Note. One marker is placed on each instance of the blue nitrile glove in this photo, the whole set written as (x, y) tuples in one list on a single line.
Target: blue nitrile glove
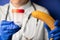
[(55, 34), (7, 29)]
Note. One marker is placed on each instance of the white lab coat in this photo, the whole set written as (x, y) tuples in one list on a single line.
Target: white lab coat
[(31, 30)]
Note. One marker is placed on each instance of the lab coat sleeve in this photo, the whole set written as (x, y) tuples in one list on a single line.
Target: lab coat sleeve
[(0, 12)]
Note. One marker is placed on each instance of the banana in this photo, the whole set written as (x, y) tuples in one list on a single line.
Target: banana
[(44, 17)]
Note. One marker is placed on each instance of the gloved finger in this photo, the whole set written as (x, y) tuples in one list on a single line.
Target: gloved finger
[(9, 31), (57, 23), (4, 27), (12, 25), (6, 36), (12, 28), (56, 35), (56, 30), (4, 22), (6, 33), (46, 26), (7, 27), (57, 38)]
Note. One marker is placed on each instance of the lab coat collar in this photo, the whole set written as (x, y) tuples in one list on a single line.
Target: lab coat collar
[(22, 7)]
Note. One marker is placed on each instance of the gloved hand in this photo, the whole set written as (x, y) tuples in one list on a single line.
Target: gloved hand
[(55, 34), (7, 29)]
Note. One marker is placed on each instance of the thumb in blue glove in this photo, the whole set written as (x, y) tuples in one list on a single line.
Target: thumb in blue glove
[(56, 31), (55, 34), (7, 29)]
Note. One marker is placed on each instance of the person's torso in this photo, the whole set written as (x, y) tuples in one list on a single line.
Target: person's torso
[(31, 29)]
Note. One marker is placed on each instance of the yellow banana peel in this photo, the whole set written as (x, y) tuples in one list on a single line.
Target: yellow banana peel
[(44, 17)]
